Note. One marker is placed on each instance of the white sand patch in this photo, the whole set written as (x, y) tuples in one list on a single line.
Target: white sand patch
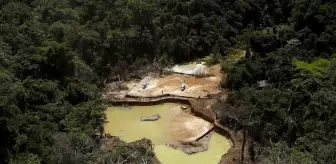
[(191, 69)]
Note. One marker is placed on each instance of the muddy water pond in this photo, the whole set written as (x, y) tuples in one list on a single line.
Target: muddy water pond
[(125, 123)]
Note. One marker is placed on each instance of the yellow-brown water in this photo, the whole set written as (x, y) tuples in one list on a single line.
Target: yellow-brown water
[(125, 123)]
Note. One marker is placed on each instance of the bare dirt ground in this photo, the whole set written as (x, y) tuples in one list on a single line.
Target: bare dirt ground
[(195, 86), (188, 128), (117, 90)]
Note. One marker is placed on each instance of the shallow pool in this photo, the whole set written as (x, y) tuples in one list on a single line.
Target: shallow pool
[(124, 122)]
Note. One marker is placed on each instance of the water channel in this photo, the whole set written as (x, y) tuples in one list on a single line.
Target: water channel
[(124, 122)]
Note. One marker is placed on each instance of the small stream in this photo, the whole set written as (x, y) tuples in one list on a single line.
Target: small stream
[(124, 122)]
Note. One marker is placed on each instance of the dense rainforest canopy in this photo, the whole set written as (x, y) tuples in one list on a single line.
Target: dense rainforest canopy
[(55, 56)]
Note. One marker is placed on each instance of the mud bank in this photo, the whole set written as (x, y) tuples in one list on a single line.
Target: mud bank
[(148, 101)]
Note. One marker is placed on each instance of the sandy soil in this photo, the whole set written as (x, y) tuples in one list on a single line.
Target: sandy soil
[(115, 90), (195, 86), (191, 69), (188, 128)]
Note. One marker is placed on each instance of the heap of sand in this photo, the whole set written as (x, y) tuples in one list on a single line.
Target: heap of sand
[(191, 133), (187, 128), (191, 69)]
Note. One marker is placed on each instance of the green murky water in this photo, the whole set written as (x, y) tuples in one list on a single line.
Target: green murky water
[(125, 123)]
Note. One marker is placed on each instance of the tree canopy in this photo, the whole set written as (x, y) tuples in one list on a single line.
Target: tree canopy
[(56, 54)]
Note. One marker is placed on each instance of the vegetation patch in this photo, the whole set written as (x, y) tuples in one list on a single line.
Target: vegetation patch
[(316, 67), (233, 56), (206, 59)]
